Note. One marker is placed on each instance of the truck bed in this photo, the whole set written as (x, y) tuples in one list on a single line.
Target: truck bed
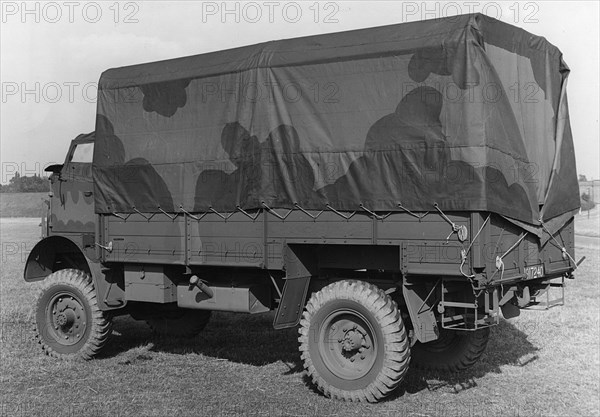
[(414, 244)]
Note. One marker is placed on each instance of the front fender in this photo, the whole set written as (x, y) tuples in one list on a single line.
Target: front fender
[(58, 252), (51, 254)]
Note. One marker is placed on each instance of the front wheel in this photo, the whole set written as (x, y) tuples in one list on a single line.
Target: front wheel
[(69, 323), (353, 342)]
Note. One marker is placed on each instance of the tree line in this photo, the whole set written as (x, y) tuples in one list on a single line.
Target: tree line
[(24, 184)]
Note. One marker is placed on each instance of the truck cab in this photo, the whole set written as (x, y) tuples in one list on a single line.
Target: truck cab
[(69, 226), (71, 207)]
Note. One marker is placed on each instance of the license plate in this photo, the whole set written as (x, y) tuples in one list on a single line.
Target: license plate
[(536, 271)]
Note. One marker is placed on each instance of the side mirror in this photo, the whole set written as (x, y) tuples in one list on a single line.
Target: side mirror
[(55, 169)]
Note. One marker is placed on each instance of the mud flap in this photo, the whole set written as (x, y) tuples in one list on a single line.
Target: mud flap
[(291, 306), (421, 313), (300, 265)]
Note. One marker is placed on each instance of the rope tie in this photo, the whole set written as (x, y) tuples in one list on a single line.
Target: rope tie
[(461, 230), (561, 246), (500, 262), (464, 253)]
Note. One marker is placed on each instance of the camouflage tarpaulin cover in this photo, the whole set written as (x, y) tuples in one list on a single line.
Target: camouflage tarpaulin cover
[(466, 112)]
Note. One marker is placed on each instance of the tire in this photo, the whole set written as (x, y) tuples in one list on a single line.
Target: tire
[(454, 351), (353, 342), (68, 322), (180, 323)]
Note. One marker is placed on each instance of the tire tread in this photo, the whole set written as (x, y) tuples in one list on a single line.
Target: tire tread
[(396, 347), (465, 355), (101, 324)]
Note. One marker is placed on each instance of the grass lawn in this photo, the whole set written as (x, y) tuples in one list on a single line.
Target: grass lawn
[(543, 363), (22, 204), (588, 223)]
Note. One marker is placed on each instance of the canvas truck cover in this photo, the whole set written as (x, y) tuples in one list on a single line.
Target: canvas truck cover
[(465, 112)]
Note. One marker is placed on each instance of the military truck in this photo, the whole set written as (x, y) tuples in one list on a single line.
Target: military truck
[(392, 191)]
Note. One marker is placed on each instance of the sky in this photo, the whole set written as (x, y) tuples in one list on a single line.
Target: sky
[(52, 55)]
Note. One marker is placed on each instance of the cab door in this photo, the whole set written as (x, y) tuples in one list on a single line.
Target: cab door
[(72, 202)]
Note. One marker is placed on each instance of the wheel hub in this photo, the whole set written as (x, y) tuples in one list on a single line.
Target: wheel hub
[(347, 345), (353, 341), (67, 319), (64, 319)]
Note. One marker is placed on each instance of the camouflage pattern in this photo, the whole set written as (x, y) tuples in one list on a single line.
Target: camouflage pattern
[(466, 113), (72, 202)]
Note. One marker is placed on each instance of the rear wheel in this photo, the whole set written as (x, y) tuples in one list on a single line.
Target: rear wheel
[(454, 350), (353, 342), (180, 323), (69, 323)]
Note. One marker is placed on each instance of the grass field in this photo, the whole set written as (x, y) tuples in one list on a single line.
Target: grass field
[(588, 223), (543, 363), (22, 204)]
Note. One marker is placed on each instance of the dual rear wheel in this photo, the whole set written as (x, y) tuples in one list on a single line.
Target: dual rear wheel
[(453, 351)]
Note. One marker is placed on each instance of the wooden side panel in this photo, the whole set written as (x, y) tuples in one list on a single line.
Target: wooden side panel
[(258, 239), (422, 257), (237, 241), (329, 227), (136, 239), (433, 227)]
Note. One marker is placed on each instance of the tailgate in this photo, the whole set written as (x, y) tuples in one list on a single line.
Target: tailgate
[(508, 253)]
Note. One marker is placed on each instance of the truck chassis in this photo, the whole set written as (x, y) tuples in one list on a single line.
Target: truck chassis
[(367, 290)]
